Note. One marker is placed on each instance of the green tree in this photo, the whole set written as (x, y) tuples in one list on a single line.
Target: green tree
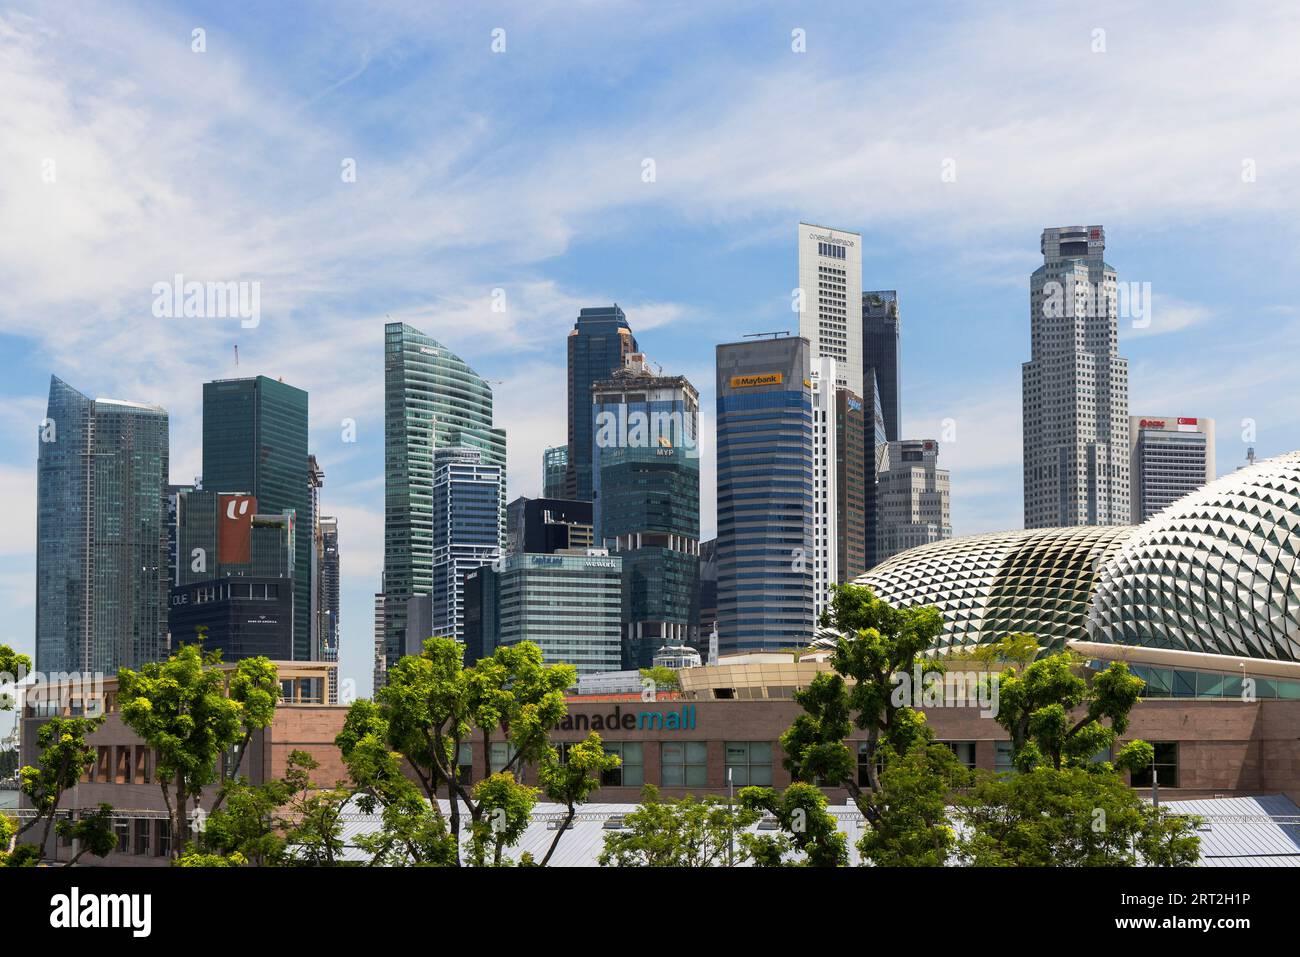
[(13, 666), (432, 704), (93, 832), (505, 809), (912, 826), (313, 828), (247, 823), (1019, 649), (571, 781), (665, 679), (1037, 706), (413, 831), (1070, 818), (877, 641), (191, 711), (64, 758), (684, 833), (808, 828)]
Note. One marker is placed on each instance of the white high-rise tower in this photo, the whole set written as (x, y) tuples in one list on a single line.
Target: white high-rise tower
[(830, 282), (1075, 387)]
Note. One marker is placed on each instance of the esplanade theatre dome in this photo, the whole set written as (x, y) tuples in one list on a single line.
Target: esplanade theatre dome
[(986, 586), (1214, 573)]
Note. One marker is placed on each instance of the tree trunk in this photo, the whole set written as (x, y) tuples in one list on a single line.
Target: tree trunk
[(559, 834)]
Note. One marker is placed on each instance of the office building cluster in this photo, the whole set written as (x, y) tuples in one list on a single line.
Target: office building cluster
[(816, 486), (131, 567), (606, 570)]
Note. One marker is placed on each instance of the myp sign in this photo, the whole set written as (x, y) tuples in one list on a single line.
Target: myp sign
[(680, 719)]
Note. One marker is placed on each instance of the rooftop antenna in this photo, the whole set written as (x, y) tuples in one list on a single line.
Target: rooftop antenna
[(236, 353), (760, 335)]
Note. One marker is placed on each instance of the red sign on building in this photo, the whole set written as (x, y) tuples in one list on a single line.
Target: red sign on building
[(235, 529)]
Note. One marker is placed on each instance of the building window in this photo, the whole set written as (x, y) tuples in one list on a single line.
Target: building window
[(684, 764), (964, 750), (162, 845), (1165, 764), (465, 762), (864, 779), (629, 774), (749, 763), (1002, 757), (501, 755), (142, 837), (122, 827)]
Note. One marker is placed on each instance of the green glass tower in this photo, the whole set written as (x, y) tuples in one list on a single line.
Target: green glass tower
[(432, 400), (646, 478), (255, 442)]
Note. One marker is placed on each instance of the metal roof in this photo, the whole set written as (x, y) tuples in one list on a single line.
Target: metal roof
[(1242, 831)]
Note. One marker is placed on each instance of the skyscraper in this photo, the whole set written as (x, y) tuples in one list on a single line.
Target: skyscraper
[(236, 584), (646, 473), (330, 606), (255, 442), (568, 605), (875, 453), (830, 281), (466, 532), (598, 344), (101, 535), (1075, 387), (880, 352), (765, 494), (913, 498), (1169, 457), (851, 482), (432, 400), (555, 465), (837, 498)]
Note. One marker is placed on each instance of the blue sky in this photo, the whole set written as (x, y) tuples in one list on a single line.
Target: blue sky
[(522, 171)]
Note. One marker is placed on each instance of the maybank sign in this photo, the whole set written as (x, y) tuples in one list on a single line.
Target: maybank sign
[(762, 378), (682, 719)]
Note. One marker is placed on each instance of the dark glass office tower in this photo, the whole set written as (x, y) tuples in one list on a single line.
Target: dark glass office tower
[(765, 495), (255, 442), (101, 533), (432, 400), (598, 343), (880, 352), (646, 474), (876, 457), (851, 485)]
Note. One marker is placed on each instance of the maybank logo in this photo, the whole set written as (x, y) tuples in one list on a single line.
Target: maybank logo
[(750, 381)]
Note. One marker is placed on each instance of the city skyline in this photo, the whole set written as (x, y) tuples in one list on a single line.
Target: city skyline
[(1179, 215)]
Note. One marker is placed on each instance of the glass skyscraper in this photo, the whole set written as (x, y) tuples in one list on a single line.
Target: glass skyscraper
[(646, 472), (101, 534), (432, 400), (880, 353), (466, 531), (568, 605), (765, 495), (555, 465), (255, 442), (598, 344)]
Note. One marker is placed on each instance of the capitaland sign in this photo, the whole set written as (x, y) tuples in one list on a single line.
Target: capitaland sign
[(752, 381), (828, 238), (683, 719)]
